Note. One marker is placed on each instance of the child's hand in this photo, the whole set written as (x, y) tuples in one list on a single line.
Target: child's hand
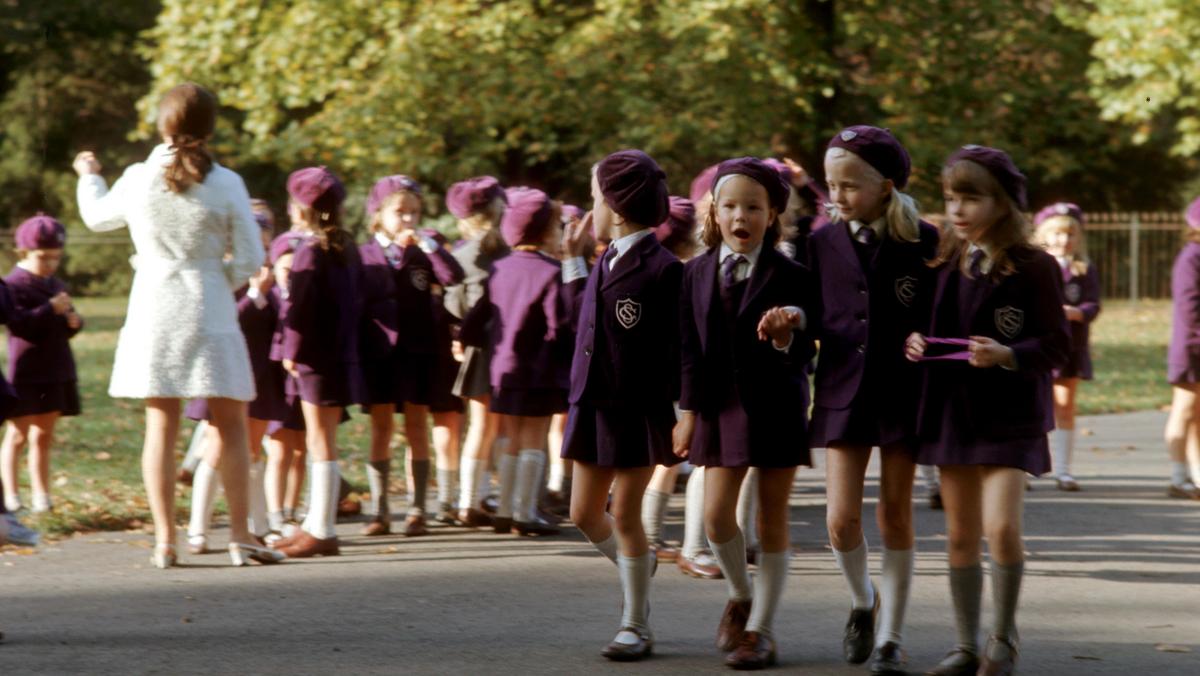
[(799, 176), (407, 237), (681, 436), (290, 367), (914, 347), (986, 353), (74, 321), (60, 303), (86, 163), (263, 280), (778, 324), (456, 349), (1074, 314), (577, 237)]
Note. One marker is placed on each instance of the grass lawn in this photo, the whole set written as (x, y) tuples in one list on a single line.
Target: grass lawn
[(95, 464)]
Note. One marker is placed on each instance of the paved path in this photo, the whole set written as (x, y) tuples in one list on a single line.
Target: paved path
[(1113, 577)]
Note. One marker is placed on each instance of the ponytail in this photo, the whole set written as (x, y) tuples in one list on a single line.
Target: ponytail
[(190, 165), (903, 217)]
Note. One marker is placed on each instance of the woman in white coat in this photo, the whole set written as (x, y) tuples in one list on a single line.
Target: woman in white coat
[(196, 241)]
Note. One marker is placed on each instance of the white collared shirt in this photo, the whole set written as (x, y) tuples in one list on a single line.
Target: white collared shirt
[(622, 245), (876, 225), (985, 265), (424, 243)]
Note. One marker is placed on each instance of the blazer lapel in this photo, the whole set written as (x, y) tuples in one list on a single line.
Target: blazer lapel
[(843, 245), (759, 277), (630, 262)]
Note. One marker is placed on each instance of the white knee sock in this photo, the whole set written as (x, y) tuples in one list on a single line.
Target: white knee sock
[(445, 486), (854, 568), (469, 470), (693, 515), (768, 589), (323, 482), (731, 556), (747, 508), (195, 451), (654, 512), (557, 472), (635, 584), (607, 546), (530, 464), (257, 517), (205, 482), (506, 467), (897, 579), (1062, 443)]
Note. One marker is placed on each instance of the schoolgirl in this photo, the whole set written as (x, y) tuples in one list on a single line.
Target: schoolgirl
[(41, 367), (744, 392), (11, 529), (1060, 233), (984, 422), (874, 288), (624, 381), (320, 345), (1183, 364), (526, 323)]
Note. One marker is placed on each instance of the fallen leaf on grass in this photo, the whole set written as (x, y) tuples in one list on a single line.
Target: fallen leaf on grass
[(1171, 648), (61, 481), (103, 455)]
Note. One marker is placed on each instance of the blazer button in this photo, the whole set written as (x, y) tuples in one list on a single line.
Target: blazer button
[(862, 290), (862, 349), (862, 318), (587, 352)]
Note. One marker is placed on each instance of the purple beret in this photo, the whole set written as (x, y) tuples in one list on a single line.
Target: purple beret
[(285, 244), (527, 216), (999, 165), (316, 188), (570, 212), (878, 148), (1192, 215), (634, 186), (681, 221), (467, 197), (785, 172), (753, 168), (702, 184), (1069, 209), (386, 187), (41, 232)]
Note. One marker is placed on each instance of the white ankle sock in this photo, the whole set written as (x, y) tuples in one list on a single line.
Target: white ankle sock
[(468, 483), (257, 520), (693, 515), (768, 589), (275, 520), (607, 546), (205, 482), (530, 464), (12, 501), (896, 582), (654, 512), (635, 585), (323, 482), (1062, 442), (731, 556), (1179, 474), (41, 502), (854, 568), (506, 467), (747, 508)]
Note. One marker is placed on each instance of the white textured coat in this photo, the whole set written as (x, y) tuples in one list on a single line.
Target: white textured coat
[(181, 336)]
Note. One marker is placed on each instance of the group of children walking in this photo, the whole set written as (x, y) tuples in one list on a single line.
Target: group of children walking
[(689, 335)]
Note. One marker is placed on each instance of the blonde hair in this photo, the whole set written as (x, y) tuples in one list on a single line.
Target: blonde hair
[(377, 218), (1011, 230), (1079, 260), (484, 226), (902, 217)]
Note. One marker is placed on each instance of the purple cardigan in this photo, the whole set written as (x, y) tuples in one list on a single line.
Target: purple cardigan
[(39, 350)]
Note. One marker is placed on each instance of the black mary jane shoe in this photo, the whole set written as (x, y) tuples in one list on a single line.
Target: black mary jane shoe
[(957, 662), (859, 638), (887, 660)]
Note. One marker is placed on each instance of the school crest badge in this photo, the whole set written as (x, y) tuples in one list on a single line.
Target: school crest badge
[(849, 135), (1009, 320), (419, 278), (906, 290), (1072, 292), (629, 312)]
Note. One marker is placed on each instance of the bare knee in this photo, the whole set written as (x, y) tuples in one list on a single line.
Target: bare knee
[(845, 530), (895, 519), (962, 545)]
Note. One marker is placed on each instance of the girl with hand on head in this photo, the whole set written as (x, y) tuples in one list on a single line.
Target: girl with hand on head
[(874, 288), (984, 422), (744, 393), (624, 380)]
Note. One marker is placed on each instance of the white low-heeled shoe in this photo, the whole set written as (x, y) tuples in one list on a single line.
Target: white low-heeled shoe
[(164, 557), (241, 554)]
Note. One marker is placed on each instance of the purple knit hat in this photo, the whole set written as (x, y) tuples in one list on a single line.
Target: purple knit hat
[(41, 232), (878, 148), (634, 186), (285, 244), (1068, 209), (999, 165), (386, 187), (467, 197), (570, 212), (680, 223), (527, 216), (316, 188), (702, 184)]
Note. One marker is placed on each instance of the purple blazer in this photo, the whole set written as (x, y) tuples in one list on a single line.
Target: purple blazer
[(380, 316), (862, 317), (39, 351), (323, 311), (1083, 292), (1023, 311), (1183, 353), (636, 360), (525, 318), (768, 382)]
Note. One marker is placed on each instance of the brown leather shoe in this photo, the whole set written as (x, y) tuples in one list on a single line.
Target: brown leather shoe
[(755, 651), (502, 525), (349, 507), (664, 552), (702, 565), (1067, 483), (1186, 491), (378, 526), (474, 518), (630, 652), (733, 625), (1000, 657), (304, 545), (184, 477), (414, 526), (538, 526), (957, 662)]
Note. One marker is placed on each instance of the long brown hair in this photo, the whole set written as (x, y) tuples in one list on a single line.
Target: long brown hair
[(327, 228), (1011, 230), (187, 115)]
